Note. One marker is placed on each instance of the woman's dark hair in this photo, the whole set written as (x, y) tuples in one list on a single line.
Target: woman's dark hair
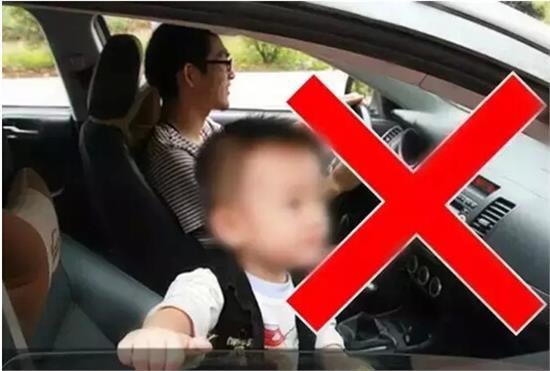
[(169, 49)]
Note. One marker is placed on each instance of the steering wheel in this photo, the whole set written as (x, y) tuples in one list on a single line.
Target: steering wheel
[(363, 112), (345, 211)]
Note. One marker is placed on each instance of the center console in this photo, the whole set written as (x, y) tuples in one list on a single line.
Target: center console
[(385, 333), (420, 312)]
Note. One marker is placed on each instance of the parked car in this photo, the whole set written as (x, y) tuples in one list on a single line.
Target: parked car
[(427, 65)]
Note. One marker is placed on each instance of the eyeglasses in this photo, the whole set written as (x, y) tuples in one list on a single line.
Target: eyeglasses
[(228, 62)]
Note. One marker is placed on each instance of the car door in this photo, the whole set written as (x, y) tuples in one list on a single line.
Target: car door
[(41, 138), (36, 115), (39, 124)]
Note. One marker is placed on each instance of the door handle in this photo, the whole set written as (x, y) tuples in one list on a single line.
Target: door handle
[(16, 130)]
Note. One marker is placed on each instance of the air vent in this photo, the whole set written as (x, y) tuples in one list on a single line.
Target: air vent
[(491, 215), (392, 133)]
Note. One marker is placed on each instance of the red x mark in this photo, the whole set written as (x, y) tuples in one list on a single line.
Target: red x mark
[(415, 205)]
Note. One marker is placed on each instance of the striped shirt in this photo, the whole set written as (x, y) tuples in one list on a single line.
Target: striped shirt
[(170, 169)]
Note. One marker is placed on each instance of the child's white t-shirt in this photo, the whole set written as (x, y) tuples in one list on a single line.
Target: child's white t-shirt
[(199, 294)]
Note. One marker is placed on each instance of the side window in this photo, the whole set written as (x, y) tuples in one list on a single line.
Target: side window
[(266, 74), (141, 29), (361, 88), (356, 86), (29, 73)]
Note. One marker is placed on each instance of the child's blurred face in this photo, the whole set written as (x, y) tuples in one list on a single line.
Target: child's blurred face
[(279, 211)]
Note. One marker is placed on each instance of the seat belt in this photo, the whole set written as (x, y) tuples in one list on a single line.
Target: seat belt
[(16, 334), (12, 321)]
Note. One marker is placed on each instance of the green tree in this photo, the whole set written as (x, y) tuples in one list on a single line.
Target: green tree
[(527, 7), (117, 25), (19, 24), (268, 52)]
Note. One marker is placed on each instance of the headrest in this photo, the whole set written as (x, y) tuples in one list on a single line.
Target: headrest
[(31, 244), (115, 79), (145, 114)]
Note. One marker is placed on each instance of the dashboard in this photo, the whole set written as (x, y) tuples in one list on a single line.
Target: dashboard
[(423, 268), (503, 205), (512, 219)]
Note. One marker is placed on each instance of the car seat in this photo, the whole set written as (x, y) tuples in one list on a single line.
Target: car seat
[(63, 295), (143, 234)]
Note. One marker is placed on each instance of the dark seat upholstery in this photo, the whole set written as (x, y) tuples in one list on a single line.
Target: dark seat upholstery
[(91, 303), (143, 234), (62, 295)]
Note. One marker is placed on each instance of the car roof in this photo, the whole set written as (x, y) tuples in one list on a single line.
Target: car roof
[(493, 30), (503, 17)]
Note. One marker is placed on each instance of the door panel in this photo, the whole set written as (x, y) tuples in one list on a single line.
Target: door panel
[(43, 139), (46, 139)]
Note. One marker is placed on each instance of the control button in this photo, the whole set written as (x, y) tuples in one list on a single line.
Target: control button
[(412, 264), (423, 275), (484, 222), (462, 216), (435, 286)]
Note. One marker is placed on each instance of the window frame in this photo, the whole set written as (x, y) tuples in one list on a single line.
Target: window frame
[(104, 33), (11, 107)]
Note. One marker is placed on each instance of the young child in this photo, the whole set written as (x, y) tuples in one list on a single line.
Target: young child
[(265, 197)]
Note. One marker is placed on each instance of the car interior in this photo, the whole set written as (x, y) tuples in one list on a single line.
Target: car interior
[(52, 281), (85, 267), (131, 215)]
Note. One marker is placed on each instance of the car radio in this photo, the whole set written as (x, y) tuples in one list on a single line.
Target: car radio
[(464, 205), (468, 199)]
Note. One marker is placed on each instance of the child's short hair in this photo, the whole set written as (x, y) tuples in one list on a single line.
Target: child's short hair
[(221, 156)]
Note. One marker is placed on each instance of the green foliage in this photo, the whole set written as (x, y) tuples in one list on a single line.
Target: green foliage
[(17, 57), (117, 25), (544, 7), (361, 88), (268, 52), (26, 49), (253, 55), (139, 28), (527, 7), (19, 24)]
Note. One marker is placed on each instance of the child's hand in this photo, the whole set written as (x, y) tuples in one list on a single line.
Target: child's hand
[(157, 348)]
